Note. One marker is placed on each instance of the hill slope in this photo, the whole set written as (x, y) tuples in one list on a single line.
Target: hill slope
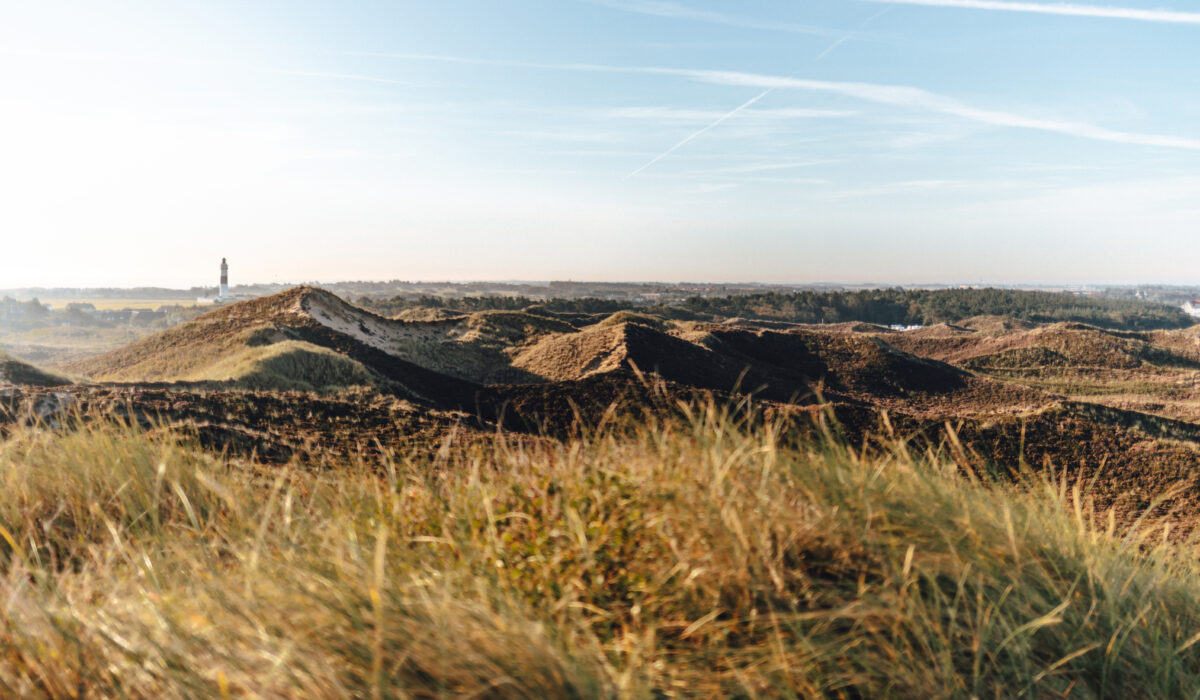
[(13, 371), (984, 345), (228, 344), (290, 365), (792, 366), (477, 347)]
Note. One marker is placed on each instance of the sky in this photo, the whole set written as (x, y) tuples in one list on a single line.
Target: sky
[(781, 141)]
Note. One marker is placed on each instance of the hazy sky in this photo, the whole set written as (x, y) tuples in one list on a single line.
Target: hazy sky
[(769, 140)]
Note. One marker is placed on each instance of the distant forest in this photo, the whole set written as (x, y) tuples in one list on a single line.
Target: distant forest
[(586, 305), (927, 307), (880, 306)]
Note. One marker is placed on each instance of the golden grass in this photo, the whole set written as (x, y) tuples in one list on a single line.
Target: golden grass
[(676, 558), (290, 365), (620, 317)]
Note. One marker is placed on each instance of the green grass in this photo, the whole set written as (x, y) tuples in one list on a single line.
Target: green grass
[(683, 558)]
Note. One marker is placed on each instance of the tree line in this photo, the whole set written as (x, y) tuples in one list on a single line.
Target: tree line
[(887, 307), (472, 304), (926, 307)]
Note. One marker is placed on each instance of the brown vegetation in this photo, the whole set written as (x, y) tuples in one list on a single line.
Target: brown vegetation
[(1064, 394), (13, 371), (298, 497)]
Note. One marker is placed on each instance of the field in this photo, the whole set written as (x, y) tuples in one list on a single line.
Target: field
[(105, 304), (59, 344), (293, 496), (61, 336)]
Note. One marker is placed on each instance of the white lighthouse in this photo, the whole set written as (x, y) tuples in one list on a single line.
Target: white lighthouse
[(224, 280)]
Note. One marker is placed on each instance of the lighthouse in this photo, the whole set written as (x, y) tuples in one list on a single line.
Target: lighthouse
[(224, 280)]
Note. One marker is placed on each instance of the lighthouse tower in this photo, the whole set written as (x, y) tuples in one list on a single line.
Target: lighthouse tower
[(224, 280)]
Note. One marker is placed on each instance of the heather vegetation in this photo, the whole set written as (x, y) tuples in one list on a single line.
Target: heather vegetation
[(693, 557)]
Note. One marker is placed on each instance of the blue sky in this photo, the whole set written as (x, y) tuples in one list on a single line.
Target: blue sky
[(907, 141)]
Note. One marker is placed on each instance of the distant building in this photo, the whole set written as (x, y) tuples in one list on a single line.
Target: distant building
[(145, 317), (1192, 308), (122, 316), (222, 290)]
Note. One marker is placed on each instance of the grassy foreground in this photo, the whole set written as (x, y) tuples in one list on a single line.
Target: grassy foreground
[(684, 559)]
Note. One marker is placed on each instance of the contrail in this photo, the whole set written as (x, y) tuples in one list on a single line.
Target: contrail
[(715, 124), (900, 95), (1070, 9), (830, 49), (905, 96)]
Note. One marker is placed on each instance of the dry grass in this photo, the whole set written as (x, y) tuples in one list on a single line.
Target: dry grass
[(683, 558), (13, 371), (289, 365)]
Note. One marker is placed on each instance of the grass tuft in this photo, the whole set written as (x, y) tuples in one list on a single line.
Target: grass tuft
[(694, 557)]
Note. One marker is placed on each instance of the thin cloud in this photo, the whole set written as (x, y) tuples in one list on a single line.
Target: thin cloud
[(572, 136), (895, 95), (768, 167), (708, 188), (669, 114), (348, 154), (741, 108), (342, 76), (703, 131), (1055, 168), (916, 98), (674, 10), (501, 62), (1069, 9), (907, 188)]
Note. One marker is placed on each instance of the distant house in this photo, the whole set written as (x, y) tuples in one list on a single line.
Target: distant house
[(119, 316), (145, 317), (1192, 308)]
